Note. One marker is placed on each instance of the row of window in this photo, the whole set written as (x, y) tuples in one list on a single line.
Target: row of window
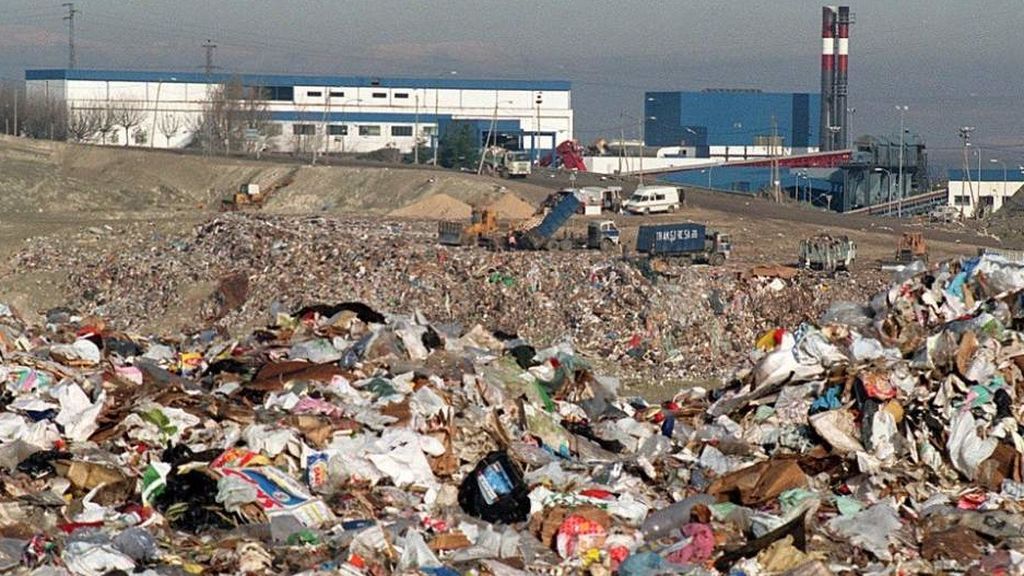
[(339, 94), (364, 130)]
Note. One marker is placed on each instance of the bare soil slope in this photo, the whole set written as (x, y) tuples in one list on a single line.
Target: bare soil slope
[(59, 178)]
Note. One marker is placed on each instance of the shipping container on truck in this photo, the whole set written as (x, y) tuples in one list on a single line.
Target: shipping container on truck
[(684, 240)]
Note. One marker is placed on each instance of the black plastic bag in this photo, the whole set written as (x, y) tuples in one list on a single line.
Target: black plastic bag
[(494, 491)]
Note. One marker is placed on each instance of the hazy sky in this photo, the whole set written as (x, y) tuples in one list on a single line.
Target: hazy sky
[(953, 63)]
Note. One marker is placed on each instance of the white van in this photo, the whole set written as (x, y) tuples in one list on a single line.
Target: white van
[(650, 199)]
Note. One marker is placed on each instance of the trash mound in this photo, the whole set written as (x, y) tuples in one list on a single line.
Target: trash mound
[(435, 206), (341, 439), (512, 207), (1006, 223), (650, 330)]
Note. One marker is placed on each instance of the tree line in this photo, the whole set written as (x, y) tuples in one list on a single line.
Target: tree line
[(219, 125)]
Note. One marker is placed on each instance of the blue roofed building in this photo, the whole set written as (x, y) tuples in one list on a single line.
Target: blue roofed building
[(326, 114)]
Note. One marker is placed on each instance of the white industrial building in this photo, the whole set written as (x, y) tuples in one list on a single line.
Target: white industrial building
[(330, 114), (986, 190)]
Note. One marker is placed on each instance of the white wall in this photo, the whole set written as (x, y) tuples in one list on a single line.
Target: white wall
[(968, 196), (184, 101)]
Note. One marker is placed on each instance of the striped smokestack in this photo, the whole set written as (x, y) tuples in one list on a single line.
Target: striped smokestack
[(828, 21), (842, 63)]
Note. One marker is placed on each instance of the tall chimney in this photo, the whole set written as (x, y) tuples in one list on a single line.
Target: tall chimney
[(843, 50), (828, 19)]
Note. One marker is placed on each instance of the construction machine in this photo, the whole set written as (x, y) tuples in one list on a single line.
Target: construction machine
[(247, 195), (911, 247), (481, 230)]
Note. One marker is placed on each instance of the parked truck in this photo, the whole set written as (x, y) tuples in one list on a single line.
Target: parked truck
[(827, 253), (508, 163), (685, 240)]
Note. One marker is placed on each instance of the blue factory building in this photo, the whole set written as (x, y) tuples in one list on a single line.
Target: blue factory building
[(720, 122)]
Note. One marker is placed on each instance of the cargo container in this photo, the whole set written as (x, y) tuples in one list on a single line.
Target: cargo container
[(684, 240)]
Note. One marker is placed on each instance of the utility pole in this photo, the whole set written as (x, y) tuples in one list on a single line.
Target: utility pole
[(416, 131), (774, 163), (15, 110), (965, 138), (640, 129), (209, 46), (899, 205), (437, 125), (71, 33)]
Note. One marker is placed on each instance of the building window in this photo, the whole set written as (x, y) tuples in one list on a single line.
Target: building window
[(961, 200), (367, 130), (403, 95), (280, 93), (401, 130), (380, 94), (337, 94), (304, 129), (337, 130)]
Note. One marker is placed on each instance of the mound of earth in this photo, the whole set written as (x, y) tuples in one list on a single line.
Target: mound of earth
[(512, 207), (437, 206)]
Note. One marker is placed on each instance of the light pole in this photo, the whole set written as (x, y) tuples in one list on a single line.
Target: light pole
[(888, 180), (341, 113), (899, 206), (997, 161)]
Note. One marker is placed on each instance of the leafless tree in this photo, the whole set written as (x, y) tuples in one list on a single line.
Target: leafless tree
[(128, 115), (105, 122), (12, 102), (44, 118), (230, 110), (170, 123), (83, 123)]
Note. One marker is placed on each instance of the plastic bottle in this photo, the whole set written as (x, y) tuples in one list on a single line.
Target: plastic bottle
[(670, 519)]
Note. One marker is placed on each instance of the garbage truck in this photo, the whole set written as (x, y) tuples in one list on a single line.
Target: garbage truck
[(686, 241), (541, 236), (827, 253)]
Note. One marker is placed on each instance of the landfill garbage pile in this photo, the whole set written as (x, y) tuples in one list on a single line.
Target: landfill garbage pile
[(679, 324), (338, 439)]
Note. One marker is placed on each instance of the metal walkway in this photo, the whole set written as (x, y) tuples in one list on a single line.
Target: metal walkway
[(912, 205)]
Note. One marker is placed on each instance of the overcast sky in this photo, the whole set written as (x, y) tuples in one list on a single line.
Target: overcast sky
[(953, 63)]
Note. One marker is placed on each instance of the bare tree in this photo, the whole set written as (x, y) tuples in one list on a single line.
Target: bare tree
[(128, 115), (83, 123), (44, 118), (105, 122), (12, 102), (230, 110), (170, 124)]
